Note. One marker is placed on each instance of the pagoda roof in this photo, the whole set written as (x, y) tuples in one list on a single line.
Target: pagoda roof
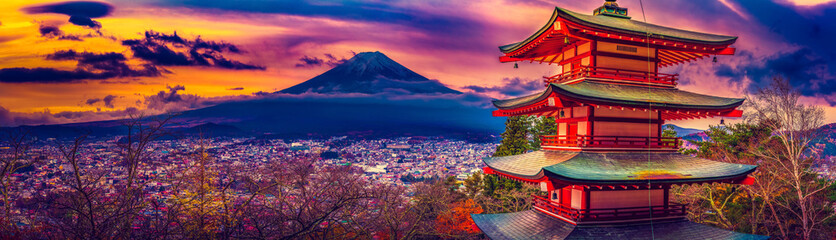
[(533, 224), (601, 168), (590, 91), (623, 25)]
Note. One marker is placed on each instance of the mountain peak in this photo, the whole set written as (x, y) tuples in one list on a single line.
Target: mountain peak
[(369, 72)]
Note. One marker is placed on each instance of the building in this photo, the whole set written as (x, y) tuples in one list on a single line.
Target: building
[(608, 171)]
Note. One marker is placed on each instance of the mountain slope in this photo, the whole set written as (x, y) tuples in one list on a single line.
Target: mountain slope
[(681, 131), (369, 72)]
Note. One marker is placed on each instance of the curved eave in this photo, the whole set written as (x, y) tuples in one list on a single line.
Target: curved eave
[(720, 39), (576, 18), (514, 46), (728, 178), (521, 101), (615, 168), (560, 90), (566, 92)]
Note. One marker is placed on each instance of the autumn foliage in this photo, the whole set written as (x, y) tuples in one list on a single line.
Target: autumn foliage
[(456, 220)]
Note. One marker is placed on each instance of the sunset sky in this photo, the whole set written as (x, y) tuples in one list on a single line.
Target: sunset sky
[(68, 61)]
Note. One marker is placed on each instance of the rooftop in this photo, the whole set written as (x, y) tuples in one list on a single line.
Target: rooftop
[(533, 224), (624, 25), (617, 167), (624, 95)]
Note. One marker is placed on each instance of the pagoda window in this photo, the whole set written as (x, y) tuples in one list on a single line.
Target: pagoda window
[(634, 50), (625, 64), (577, 197)]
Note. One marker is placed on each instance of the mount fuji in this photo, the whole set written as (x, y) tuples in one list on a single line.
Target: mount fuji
[(392, 101), (370, 73)]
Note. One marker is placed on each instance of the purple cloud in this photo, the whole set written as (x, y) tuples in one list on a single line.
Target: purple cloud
[(511, 87)]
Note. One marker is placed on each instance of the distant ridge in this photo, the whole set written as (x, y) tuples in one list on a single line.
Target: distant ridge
[(370, 72), (681, 131)]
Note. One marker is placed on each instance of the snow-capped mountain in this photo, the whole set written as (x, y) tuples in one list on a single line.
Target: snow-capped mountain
[(370, 72)]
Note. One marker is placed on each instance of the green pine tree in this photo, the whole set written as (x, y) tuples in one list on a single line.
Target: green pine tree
[(515, 138), (542, 126)]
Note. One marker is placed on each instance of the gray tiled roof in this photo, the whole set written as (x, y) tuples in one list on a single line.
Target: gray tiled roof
[(522, 225), (617, 167), (532, 224)]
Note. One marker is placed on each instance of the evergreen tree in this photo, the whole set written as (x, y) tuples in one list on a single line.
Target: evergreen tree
[(515, 138), (542, 126)]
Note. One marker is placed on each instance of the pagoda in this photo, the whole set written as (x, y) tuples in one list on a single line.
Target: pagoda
[(607, 172)]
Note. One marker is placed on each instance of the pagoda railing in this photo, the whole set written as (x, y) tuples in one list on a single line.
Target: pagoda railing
[(609, 141), (609, 214), (615, 74)]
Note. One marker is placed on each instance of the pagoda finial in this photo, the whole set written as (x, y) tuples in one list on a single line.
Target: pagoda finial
[(611, 9)]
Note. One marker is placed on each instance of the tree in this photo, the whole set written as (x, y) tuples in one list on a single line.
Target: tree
[(515, 138), (668, 131), (789, 157), (787, 199), (738, 208), (198, 200), (456, 220), (542, 126), (13, 158), (499, 195), (90, 207)]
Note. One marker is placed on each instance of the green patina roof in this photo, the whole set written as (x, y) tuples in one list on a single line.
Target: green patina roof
[(616, 167), (625, 25), (639, 96), (532, 224)]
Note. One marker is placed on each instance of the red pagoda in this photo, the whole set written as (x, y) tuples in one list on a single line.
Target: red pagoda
[(608, 171)]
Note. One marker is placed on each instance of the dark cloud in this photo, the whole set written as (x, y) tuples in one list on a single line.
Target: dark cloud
[(44, 75), (171, 100), (235, 89), (450, 30), (54, 32), (811, 67), (306, 61), (80, 12), (93, 101), (807, 71), (513, 87), (85, 21), (331, 61), (89, 66), (108, 100), (9, 118), (173, 50), (76, 8)]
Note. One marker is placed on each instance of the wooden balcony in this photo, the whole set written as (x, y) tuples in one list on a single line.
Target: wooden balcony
[(609, 142), (615, 74), (608, 214)]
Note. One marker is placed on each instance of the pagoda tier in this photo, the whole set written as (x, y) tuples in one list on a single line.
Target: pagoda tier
[(559, 40), (609, 170), (671, 103), (533, 224), (612, 187)]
